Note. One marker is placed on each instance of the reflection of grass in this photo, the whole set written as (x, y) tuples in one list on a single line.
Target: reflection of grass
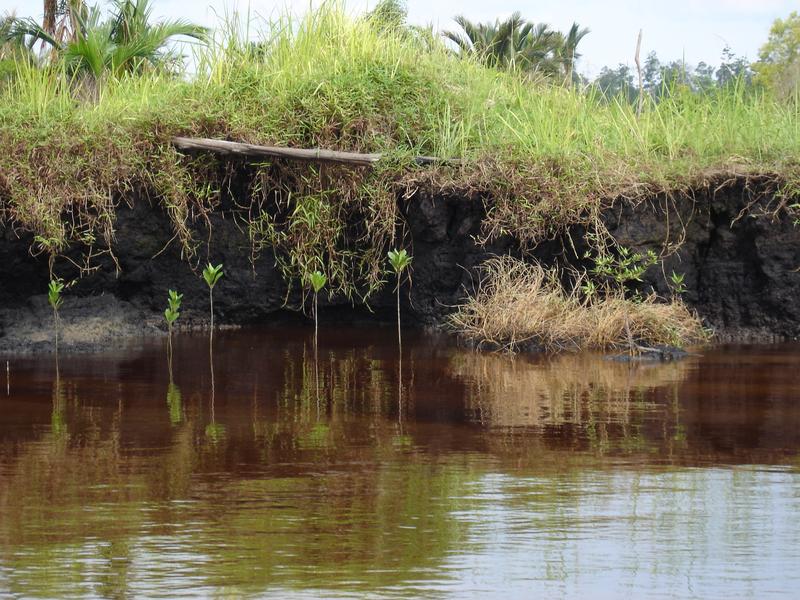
[(319, 437), (564, 389)]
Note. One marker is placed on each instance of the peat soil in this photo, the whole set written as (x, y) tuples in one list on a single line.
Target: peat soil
[(741, 264)]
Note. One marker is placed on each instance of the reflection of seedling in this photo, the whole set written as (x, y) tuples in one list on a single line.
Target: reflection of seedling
[(174, 404), (400, 260), (678, 287), (212, 275), (54, 289), (215, 432), (318, 281)]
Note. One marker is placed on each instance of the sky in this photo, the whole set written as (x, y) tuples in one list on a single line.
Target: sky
[(690, 30)]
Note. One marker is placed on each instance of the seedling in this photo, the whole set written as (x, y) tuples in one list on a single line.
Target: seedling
[(318, 281), (212, 275), (400, 260), (54, 289), (171, 315), (678, 285)]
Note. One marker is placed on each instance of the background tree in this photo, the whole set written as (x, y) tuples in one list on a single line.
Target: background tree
[(617, 83), (125, 42), (663, 79), (389, 15), (733, 68), (778, 65), (49, 20), (513, 44), (568, 49)]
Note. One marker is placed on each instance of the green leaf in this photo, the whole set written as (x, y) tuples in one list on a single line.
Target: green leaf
[(212, 274), (54, 290), (174, 300), (171, 315), (399, 259), (318, 281)]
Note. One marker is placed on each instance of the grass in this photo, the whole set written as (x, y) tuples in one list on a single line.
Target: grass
[(517, 305), (546, 156)]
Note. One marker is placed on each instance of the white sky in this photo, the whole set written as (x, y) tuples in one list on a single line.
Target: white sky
[(693, 30)]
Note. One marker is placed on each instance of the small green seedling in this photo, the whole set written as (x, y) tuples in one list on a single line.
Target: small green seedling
[(678, 285), (589, 289), (399, 260), (54, 289), (212, 275), (172, 312), (318, 281), (171, 315)]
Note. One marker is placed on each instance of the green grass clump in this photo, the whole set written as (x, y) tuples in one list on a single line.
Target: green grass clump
[(547, 156)]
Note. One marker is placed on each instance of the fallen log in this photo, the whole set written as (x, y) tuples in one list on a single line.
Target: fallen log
[(225, 147)]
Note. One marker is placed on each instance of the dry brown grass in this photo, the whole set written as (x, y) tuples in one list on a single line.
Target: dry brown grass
[(518, 304)]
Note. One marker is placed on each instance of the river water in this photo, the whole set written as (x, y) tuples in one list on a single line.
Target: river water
[(345, 473)]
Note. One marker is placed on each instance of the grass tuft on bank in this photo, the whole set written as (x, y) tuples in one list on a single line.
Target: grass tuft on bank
[(546, 156), (518, 305)]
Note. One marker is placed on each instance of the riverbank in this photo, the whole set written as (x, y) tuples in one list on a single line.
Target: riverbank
[(739, 260)]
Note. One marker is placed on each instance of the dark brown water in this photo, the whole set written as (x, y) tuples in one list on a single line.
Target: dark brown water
[(474, 475)]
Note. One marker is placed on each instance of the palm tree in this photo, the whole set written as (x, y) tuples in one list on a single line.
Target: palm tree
[(510, 44), (538, 48), (492, 43), (12, 50), (124, 43), (568, 50), (49, 20)]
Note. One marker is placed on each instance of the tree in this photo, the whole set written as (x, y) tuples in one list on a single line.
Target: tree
[(651, 73), (124, 43), (662, 79), (568, 50), (389, 15), (12, 50), (617, 83), (491, 43), (703, 77), (733, 68), (517, 44), (49, 20), (778, 65)]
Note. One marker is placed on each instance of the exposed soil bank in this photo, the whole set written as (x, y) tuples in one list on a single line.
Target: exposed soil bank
[(742, 274)]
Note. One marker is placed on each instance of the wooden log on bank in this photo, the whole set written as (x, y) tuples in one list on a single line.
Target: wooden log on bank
[(227, 148)]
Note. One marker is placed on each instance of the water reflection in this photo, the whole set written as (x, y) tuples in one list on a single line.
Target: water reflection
[(573, 477), (571, 389)]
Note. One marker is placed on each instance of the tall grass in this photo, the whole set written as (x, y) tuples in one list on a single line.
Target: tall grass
[(547, 155)]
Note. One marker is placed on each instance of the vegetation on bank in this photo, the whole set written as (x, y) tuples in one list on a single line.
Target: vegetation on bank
[(543, 154), (519, 305)]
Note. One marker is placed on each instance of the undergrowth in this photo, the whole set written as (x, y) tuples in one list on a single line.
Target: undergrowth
[(544, 156)]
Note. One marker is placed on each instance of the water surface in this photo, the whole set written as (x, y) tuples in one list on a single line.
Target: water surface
[(343, 473)]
